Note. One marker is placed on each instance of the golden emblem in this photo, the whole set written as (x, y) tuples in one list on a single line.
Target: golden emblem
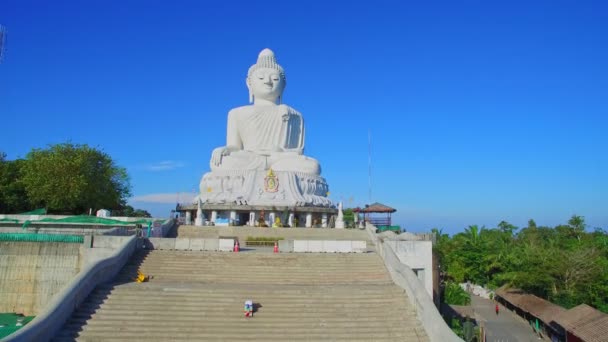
[(271, 182)]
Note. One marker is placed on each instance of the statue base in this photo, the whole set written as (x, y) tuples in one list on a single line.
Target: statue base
[(263, 188)]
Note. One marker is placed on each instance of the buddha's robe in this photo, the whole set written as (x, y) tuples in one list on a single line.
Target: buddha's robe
[(263, 137)]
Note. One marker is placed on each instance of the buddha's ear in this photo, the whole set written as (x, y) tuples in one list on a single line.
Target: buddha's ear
[(250, 92)]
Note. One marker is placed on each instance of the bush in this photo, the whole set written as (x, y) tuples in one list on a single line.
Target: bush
[(455, 295)]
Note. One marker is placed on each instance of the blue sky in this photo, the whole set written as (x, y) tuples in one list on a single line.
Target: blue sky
[(479, 111)]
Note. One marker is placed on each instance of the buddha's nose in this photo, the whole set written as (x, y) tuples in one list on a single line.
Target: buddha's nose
[(268, 80)]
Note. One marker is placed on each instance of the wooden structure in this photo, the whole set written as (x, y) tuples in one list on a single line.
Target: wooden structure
[(377, 214)]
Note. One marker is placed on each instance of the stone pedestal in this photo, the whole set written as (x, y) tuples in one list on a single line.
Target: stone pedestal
[(259, 187)]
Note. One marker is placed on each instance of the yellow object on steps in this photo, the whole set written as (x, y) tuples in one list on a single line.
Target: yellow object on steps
[(141, 277)]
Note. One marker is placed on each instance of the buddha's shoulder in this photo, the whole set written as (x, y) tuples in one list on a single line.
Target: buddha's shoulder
[(286, 109), (240, 110)]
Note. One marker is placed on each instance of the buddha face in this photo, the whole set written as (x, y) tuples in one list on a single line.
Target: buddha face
[(266, 83)]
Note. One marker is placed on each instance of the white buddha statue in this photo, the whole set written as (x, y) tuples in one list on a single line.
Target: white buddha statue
[(263, 162), (267, 134)]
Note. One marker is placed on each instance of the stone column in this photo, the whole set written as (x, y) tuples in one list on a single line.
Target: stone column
[(309, 220), (290, 220), (324, 220), (188, 218), (213, 216), (232, 221), (252, 218)]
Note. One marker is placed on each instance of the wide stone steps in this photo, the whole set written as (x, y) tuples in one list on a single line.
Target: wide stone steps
[(242, 268), (199, 296)]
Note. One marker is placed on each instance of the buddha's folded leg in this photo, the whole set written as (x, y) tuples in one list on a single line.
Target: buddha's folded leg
[(297, 163), (241, 160)]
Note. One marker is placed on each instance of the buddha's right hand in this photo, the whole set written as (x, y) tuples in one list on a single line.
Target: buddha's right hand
[(218, 153)]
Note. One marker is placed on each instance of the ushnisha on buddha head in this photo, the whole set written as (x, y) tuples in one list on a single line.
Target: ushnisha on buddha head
[(266, 79)]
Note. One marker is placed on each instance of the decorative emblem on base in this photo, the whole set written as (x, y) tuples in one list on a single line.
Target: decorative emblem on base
[(271, 182)]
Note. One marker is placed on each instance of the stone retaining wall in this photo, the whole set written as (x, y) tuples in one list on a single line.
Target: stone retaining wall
[(32, 272)]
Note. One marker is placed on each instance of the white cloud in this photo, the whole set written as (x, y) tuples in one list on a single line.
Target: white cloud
[(171, 198), (165, 165)]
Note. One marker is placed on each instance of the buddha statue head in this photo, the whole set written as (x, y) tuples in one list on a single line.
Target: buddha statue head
[(266, 79)]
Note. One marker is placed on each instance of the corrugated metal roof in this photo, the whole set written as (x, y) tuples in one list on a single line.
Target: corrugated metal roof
[(536, 306), (585, 322)]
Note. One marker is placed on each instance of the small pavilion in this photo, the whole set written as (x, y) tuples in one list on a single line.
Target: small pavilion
[(377, 214)]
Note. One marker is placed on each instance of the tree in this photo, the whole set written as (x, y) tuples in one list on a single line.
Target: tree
[(68, 178), (129, 211), (13, 197), (507, 228), (564, 264)]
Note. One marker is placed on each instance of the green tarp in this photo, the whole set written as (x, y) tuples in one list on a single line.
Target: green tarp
[(9, 321), (40, 211), (30, 237), (94, 220)]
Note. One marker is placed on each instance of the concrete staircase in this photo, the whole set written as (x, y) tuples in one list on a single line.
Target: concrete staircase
[(199, 296)]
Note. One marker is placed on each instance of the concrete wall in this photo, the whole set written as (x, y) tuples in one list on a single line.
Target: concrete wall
[(404, 277), (323, 246), (417, 255), (60, 308), (189, 244), (32, 272)]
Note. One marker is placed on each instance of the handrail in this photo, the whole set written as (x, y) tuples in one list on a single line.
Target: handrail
[(434, 325)]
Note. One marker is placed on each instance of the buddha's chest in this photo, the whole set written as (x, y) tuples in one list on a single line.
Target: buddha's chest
[(269, 128)]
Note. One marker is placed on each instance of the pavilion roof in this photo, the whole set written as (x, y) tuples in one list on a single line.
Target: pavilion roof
[(376, 208)]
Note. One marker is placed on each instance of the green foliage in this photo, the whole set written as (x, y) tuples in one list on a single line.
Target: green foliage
[(349, 215), (455, 295), (564, 264), (129, 211), (13, 197), (68, 178)]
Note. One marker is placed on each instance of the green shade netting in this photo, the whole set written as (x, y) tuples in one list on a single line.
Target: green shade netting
[(8, 220), (8, 323), (28, 237), (391, 228), (40, 211), (93, 220)]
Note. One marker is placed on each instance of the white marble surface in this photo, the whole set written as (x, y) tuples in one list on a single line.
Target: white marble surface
[(263, 161)]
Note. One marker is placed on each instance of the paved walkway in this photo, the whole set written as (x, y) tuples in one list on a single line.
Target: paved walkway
[(504, 327)]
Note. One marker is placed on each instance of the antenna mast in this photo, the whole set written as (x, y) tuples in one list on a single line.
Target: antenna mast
[(369, 163), (2, 41)]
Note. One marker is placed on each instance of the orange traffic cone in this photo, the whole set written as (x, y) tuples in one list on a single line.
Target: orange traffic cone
[(276, 247), (236, 246)]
